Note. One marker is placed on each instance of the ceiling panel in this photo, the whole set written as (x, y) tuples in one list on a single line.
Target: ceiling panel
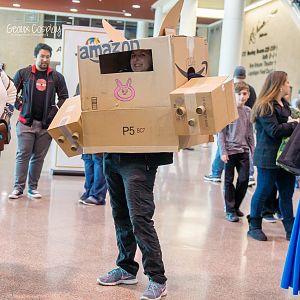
[(113, 8)]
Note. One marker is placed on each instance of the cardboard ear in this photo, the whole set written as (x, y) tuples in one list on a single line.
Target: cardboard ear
[(114, 34), (171, 20)]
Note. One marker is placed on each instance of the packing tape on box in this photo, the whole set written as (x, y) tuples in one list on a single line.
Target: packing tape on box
[(70, 137), (190, 43)]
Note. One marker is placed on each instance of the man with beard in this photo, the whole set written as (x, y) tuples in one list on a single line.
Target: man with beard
[(38, 85)]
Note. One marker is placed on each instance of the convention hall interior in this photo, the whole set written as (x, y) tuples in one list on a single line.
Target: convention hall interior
[(55, 247)]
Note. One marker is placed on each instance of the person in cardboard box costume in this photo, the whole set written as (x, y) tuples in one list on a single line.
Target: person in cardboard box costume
[(130, 179)]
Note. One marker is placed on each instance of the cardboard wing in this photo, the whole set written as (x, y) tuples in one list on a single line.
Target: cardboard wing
[(171, 20), (114, 35), (66, 127)]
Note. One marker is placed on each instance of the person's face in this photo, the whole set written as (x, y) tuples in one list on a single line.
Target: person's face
[(285, 89), (140, 60), (42, 60), (241, 97)]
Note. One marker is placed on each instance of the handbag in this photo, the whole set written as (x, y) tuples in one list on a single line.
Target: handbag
[(5, 135), (289, 158)]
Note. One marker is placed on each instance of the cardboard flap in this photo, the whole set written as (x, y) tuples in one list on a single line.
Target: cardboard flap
[(201, 84), (171, 20), (113, 33)]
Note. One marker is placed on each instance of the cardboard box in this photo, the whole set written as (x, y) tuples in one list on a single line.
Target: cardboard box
[(203, 106), (107, 83), (129, 130), (134, 130), (187, 141), (66, 127)]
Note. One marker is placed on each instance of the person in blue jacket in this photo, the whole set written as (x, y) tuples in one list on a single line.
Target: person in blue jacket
[(271, 114)]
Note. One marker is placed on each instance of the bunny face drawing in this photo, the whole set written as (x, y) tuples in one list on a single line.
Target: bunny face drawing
[(124, 92)]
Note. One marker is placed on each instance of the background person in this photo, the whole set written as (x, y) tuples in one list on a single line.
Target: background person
[(95, 184), (7, 98), (236, 140), (239, 75), (38, 85), (271, 113)]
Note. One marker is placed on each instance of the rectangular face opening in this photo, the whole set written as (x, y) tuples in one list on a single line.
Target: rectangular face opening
[(128, 61)]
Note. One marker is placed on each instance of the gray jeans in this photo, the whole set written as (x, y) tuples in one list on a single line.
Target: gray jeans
[(33, 144)]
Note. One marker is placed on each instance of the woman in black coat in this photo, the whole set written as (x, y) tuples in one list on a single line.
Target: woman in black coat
[(271, 114)]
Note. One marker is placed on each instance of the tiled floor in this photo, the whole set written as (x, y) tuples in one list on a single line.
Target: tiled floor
[(54, 248)]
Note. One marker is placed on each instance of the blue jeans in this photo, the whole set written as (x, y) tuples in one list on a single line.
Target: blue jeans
[(95, 184), (218, 165), (130, 186), (266, 178)]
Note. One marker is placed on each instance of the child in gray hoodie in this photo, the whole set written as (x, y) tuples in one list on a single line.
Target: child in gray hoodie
[(235, 141)]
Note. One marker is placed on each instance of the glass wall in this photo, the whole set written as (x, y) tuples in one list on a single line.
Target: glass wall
[(129, 27)]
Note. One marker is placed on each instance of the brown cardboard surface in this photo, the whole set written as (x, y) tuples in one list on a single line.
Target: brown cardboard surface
[(172, 57), (134, 131), (114, 34), (171, 20), (214, 95), (189, 55), (129, 130), (186, 141), (66, 128)]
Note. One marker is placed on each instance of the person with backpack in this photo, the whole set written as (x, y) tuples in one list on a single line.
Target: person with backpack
[(7, 99), (38, 85)]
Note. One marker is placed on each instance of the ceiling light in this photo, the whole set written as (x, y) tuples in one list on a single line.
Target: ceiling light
[(74, 10), (76, 1), (127, 14), (136, 6), (16, 5)]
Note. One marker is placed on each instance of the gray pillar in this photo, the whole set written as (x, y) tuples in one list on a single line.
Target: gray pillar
[(188, 19), (230, 52), (142, 29)]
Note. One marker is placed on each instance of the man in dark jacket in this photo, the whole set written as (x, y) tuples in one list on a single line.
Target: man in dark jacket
[(38, 84)]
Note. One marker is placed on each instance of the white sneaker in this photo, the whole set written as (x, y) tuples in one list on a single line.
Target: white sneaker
[(34, 194), (15, 194)]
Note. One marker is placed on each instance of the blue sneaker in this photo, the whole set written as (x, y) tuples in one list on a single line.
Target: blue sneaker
[(154, 291), (117, 276)]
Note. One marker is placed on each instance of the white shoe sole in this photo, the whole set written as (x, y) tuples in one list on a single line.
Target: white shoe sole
[(213, 180), (165, 292), (15, 197), (269, 221), (34, 196), (128, 282)]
